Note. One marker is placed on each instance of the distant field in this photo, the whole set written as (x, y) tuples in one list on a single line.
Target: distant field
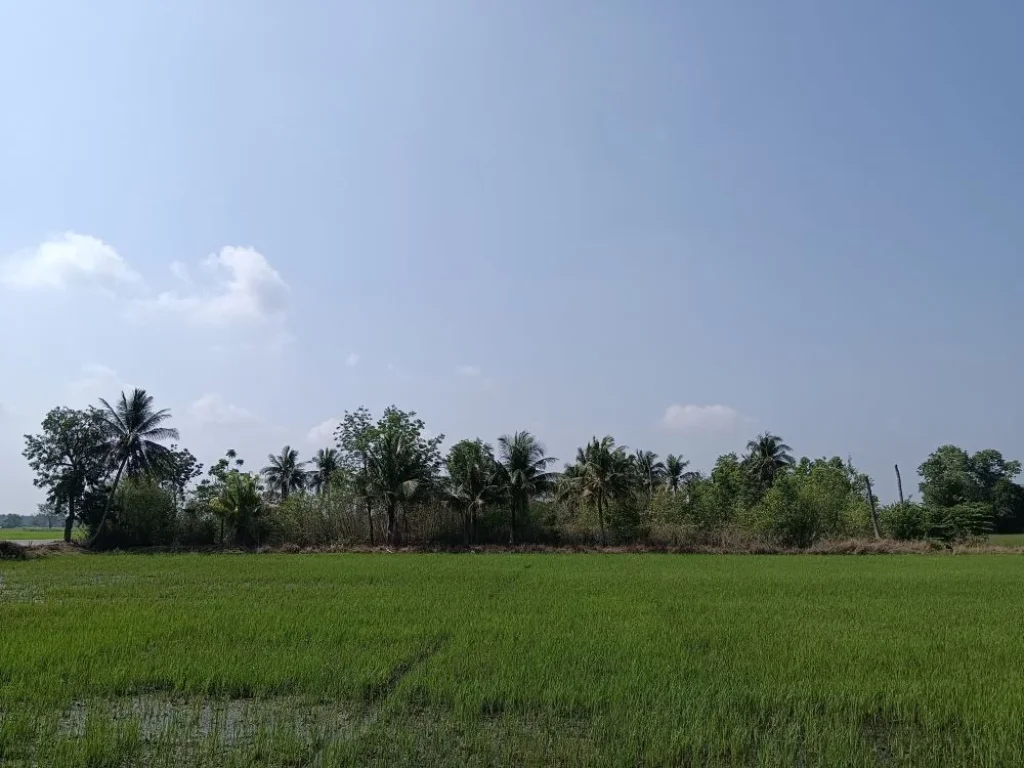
[(322, 660), (1007, 539), (16, 534)]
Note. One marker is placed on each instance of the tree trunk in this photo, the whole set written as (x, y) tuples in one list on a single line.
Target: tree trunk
[(369, 519), (512, 533), (874, 513), (110, 501), (899, 482), (392, 524), (69, 521), (600, 519)]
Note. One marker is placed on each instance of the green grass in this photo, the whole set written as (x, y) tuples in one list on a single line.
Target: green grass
[(318, 660), (21, 534)]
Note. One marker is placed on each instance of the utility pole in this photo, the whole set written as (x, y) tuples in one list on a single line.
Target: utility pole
[(874, 513)]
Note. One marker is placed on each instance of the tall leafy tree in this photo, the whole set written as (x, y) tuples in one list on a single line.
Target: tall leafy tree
[(473, 477), (68, 456), (177, 470), (603, 473), (134, 433), (767, 457), (326, 464), (285, 473), (522, 473), (353, 436), (950, 477), (401, 464)]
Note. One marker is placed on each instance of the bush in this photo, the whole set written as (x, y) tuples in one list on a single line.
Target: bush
[(313, 520), (959, 522), (904, 521), (798, 510), (143, 514)]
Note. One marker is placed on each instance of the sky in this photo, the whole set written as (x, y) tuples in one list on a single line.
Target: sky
[(678, 223)]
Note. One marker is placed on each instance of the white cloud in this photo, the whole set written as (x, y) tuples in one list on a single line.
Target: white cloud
[(352, 360), (243, 289), (213, 409), (96, 381), (66, 259), (323, 432), (700, 418), (468, 370), (180, 271)]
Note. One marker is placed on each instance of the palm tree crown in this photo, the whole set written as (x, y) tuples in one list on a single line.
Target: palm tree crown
[(767, 456), (603, 472), (325, 464), (285, 473), (133, 431), (676, 474), (397, 471), (522, 472), (649, 470), (472, 479)]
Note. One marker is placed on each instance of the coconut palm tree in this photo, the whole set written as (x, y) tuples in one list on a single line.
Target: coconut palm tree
[(603, 473), (767, 457), (472, 473), (396, 471), (325, 465), (522, 473), (133, 431), (238, 503), (676, 475), (649, 471), (285, 472)]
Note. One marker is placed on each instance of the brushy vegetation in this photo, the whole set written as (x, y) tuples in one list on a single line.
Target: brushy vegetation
[(218, 660), (385, 480)]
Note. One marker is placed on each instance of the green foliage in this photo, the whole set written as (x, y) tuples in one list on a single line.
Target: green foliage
[(326, 466), (959, 522), (401, 465), (310, 520), (767, 458), (240, 509), (144, 515), (604, 473), (134, 432), (905, 521), (817, 501), (69, 456), (285, 474), (388, 471), (176, 471), (522, 474), (676, 474), (472, 481)]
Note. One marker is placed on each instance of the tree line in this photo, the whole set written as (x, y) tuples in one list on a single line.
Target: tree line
[(117, 470)]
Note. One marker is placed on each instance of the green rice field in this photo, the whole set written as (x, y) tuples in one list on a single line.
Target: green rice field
[(545, 659), (22, 534)]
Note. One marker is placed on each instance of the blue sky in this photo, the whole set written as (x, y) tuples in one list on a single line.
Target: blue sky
[(678, 223)]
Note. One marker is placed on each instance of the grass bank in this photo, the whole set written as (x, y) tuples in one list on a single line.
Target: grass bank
[(516, 659)]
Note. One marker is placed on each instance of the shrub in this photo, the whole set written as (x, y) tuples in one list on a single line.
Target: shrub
[(904, 521)]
